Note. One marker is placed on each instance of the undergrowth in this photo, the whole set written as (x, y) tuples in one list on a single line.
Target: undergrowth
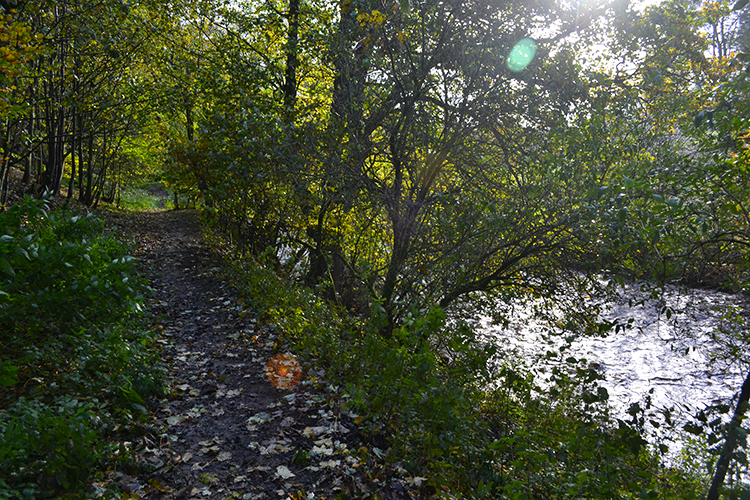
[(138, 199), (436, 403), (78, 365)]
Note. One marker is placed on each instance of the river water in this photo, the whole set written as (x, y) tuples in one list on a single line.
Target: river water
[(674, 346)]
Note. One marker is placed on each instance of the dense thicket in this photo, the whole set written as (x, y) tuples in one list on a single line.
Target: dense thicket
[(76, 365)]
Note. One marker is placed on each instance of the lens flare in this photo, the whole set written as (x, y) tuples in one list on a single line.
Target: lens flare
[(283, 371), (521, 55)]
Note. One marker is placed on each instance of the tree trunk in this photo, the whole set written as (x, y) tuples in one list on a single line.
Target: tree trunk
[(4, 164), (722, 464), (72, 183), (88, 193), (404, 226), (28, 164), (290, 82)]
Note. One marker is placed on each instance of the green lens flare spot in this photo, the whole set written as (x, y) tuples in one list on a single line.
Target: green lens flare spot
[(521, 55)]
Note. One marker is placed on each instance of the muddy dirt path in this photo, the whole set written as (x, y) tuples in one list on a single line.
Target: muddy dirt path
[(225, 431)]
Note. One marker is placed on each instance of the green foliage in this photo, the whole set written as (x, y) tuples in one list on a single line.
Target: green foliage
[(78, 369), (139, 199), (79, 389), (428, 396), (8, 373), (57, 271), (47, 448)]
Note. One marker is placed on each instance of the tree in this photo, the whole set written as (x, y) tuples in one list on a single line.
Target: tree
[(444, 152)]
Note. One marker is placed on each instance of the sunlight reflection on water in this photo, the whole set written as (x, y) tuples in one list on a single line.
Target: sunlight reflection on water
[(675, 357)]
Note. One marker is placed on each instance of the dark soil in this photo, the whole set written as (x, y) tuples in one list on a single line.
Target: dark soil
[(225, 431)]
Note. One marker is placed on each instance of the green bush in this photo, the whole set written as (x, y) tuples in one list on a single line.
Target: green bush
[(79, 366), (57, 271), (46, 448)]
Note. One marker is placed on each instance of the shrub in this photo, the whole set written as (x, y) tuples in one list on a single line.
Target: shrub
[(57, 271), (78, 365), (46, 448)]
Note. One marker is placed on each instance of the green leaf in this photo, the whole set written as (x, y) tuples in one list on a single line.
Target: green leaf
[(7, 267), (8, 375), (628, 182), (623, 214), (86, 256), (6, 238), (739, 5)]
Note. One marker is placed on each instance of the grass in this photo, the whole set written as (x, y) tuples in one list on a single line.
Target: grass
[(140, 199)]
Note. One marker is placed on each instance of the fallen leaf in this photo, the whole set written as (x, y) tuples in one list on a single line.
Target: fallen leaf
[(287, 422), (176, 419), (283, 472), (321, 451), (259, 418), (313, 432), (224, 456), (416, 481), (186, 456), (157, 486), (208, 478), (210, 442), (330, 464)]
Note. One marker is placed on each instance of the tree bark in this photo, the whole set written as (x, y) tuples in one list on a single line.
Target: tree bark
[(290, 82), (722, 464)]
